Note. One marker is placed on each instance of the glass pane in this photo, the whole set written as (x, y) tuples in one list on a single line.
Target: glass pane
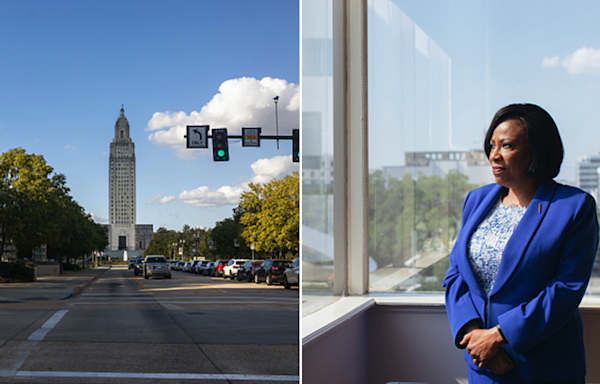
[(317, 155), (438, 71)]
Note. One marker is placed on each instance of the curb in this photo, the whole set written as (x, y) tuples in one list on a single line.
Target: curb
[(77, 290)]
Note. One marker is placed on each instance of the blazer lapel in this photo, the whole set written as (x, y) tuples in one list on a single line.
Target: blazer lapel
[(471, 224), (524, 232)]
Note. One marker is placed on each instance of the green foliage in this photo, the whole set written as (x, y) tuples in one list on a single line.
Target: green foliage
[(224, 235), (17, 273), (408, 216), (36, 209), (167, 242), (271, 216)]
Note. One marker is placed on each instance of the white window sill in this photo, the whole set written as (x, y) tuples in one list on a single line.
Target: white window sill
[(326, 319)]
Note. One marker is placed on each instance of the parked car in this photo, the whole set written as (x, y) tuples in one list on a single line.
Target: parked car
[(231, 269), (291, 275), (186, 266), (271, 271), (138, 267), (173, 263), (156, 265), (179, 265), (193, 264), (131, 263), (246, 272), (198, 267), (207, 269), (218, 267)]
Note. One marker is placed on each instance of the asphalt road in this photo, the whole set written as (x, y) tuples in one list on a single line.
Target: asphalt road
[(123, 328)]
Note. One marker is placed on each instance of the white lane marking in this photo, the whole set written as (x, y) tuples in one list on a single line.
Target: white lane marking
[(48, 326), (171, 376)]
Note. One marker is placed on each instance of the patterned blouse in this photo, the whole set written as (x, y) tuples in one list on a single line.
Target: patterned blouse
[(489, 240)]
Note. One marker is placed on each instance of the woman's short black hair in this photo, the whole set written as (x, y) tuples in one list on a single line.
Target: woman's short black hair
[(541, 133)]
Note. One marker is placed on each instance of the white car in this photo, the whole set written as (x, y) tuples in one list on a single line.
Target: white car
[(231, 269)]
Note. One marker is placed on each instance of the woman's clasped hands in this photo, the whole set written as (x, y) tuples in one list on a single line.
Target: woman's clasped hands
[(485, 348)]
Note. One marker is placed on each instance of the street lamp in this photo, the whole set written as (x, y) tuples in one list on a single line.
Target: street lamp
[(276, 99), (182, 242)]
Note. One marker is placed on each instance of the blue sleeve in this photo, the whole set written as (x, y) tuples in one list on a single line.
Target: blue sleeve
[(459, 303), (532, 322)]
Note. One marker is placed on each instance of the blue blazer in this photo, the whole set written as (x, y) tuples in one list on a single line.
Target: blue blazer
[(541, 280)]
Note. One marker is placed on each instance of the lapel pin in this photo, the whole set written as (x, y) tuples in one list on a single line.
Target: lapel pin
[(540, 208)]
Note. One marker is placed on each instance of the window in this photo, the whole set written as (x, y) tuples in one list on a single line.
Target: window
[(437, 71), (317, 152)]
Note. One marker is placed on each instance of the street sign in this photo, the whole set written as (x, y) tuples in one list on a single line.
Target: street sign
[(250, 137), (197, 136)]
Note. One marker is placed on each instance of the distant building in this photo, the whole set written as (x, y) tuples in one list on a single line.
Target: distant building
[(474, 164), (123, 233), (317, 171), (586, 172)]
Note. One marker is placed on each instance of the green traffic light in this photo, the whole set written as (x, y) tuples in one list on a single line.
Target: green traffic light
[(220, 153)]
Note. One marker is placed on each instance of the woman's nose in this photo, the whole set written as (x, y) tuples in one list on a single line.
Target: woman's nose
[(494, 154)]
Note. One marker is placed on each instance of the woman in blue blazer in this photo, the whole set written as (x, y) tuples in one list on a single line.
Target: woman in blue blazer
[(522, 260)]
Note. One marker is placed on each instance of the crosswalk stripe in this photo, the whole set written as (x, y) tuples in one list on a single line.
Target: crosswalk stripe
[(169, 376)]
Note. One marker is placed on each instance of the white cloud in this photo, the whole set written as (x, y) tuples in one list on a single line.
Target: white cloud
[(166, 199), (206, 197), (154, 198), (99, 218), (267, 169), (242, 102), (583, 61), (264, 171), (551, 61)]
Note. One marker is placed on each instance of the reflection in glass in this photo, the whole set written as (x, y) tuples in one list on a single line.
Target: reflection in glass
[(438, 70), (317, 155)]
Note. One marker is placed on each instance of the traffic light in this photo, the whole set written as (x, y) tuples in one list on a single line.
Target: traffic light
[(220, 145), (295, 145)]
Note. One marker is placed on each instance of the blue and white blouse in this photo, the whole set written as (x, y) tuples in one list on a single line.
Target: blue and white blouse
[(489, 240)]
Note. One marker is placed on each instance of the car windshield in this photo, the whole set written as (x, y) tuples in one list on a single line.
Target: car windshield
[(281, 263), (156, 260)]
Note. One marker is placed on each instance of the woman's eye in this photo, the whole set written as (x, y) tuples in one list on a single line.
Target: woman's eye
[(506, 145)]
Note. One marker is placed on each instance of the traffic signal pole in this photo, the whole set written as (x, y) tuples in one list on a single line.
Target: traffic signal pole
[(220, 137)]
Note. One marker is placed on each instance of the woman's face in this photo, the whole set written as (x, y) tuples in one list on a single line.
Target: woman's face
[(510, 155)]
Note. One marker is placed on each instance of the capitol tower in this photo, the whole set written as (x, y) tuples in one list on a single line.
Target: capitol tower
[(123, 233)]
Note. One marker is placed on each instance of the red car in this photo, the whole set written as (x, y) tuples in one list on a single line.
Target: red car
[(218, 267)]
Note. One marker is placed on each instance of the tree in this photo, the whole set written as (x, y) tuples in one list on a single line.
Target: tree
[(29, 192), (162, 243), (167, 243), (408, 216), (224, 236), (36, 209), (271, 215), (75, 234)]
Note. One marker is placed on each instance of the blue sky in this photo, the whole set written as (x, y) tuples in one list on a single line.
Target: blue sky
[(545, 52), (67, 66)]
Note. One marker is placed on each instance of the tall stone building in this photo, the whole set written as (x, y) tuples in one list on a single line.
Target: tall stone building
[(123, 233)]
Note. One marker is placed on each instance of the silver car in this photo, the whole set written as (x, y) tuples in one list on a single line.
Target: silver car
[(291, 276), (156, 265)]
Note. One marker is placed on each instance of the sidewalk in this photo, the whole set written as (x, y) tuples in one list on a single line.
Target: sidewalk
[(50, 288)]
